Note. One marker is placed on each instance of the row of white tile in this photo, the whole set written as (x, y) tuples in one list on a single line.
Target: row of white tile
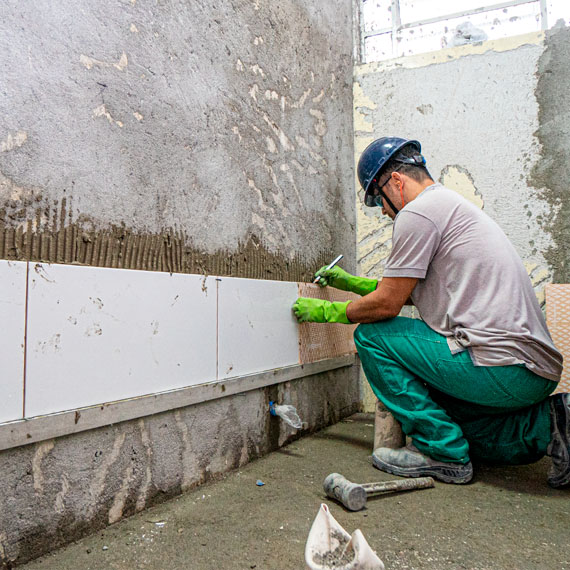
[(95, 335)]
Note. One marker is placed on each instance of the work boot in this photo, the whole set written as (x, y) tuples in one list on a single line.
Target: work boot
[(409, 462), (559, 447)]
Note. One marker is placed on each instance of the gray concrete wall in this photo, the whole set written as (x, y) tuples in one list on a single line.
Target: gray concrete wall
[(184, 136), (188, 136), (493, 119), (58, 490), (551, 173)]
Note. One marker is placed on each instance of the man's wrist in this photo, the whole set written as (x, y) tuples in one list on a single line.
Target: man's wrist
[(363, 285), (336, 312)]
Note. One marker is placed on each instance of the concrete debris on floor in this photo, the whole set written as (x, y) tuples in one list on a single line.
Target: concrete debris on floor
[(507, 518)]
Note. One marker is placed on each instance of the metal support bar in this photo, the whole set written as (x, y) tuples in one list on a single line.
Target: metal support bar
[(543, 15), (357, 31), (40, 428), (396, 25)]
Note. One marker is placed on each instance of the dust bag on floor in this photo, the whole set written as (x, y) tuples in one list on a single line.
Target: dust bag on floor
[(330, 547)]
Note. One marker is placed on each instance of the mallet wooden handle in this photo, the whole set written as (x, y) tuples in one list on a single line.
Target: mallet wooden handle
[(399, 485)]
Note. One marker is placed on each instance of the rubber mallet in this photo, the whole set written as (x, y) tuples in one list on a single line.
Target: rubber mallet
[(353, 496)]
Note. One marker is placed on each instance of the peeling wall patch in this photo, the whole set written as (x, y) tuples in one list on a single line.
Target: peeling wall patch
[(42, 450), (89, 62), (13, 141), (457, 178), (101, 111)]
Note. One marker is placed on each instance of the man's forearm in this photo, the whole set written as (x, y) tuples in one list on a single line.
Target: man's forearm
[(367, 310), (384, 303)]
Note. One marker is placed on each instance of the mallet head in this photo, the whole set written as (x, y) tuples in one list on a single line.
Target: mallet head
[(351, 495)]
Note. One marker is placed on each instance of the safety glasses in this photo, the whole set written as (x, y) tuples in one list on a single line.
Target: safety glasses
[(375, 193)]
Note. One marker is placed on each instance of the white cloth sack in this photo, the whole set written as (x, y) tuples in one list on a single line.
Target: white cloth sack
[(330, 547)]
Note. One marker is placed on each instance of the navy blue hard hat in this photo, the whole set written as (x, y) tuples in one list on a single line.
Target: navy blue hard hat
[(377, 154)]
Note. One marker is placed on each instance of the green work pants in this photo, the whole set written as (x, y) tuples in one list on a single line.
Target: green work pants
[(450, 408)]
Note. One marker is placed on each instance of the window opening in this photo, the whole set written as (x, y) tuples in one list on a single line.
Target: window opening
[(395, 28)]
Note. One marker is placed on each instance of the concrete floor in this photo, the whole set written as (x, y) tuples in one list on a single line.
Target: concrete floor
[(508, 518)]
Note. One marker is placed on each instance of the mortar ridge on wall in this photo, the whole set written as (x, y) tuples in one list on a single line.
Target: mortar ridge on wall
[(170, 251)]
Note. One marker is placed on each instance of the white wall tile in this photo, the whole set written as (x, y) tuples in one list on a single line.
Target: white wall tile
[(257, 330), (12, 317), (97, 335)]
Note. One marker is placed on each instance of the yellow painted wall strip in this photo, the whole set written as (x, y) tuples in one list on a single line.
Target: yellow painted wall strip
[(450, 54)]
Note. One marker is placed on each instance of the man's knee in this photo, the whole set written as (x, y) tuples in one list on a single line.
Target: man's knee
[(372, 338), (361, 333)]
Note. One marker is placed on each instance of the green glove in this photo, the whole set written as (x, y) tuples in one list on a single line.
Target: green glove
[(340, 279), (318, 311)]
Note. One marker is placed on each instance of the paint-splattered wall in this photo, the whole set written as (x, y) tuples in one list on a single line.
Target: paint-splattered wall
[(493, 119), (203, 137)]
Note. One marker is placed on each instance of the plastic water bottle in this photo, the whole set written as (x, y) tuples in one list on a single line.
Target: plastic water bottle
[(287, 413)]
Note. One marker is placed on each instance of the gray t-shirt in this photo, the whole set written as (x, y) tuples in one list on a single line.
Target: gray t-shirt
[(473, 287)]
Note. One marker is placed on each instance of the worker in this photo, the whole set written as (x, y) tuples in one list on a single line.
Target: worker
[(473, 377)]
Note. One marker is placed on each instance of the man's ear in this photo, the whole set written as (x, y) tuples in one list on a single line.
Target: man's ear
[(397, 177)]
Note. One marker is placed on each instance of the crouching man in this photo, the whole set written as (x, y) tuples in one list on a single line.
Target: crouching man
[(472, 379)]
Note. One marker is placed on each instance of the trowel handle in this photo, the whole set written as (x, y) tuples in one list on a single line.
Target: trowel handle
[(399, 485)]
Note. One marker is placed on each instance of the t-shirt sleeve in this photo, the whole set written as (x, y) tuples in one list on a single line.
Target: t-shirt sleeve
[(414, 243)]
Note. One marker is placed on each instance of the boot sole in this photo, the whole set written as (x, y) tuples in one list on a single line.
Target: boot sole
[(563, 428), (441, 473)]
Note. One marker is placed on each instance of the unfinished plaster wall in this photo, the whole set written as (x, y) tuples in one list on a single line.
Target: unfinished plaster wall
[(186, 136), (552, 172), (200, 137), (493, 119)]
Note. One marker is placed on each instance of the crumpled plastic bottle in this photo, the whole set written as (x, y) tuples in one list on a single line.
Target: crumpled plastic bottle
[(287, 413)]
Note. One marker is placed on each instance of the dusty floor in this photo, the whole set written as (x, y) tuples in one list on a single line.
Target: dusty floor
[(508, 518)]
